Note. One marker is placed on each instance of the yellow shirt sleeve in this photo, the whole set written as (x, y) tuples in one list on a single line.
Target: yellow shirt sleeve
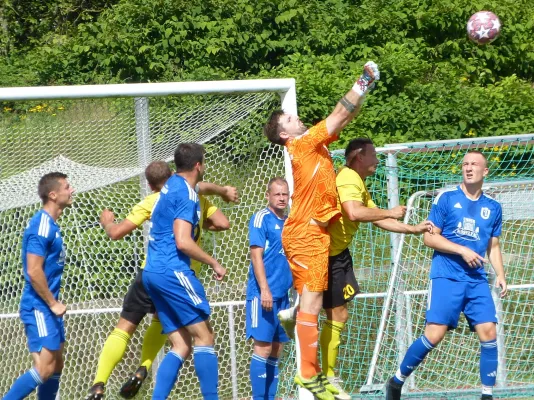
[(350, 186), (142, 211)]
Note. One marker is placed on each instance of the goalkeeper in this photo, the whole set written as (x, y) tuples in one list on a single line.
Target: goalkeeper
[(305, 238), (137, 303)]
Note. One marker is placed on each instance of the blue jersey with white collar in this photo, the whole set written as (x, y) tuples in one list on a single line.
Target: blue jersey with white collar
[(265, 231), (467, 222), (177, 200), (42, 237)]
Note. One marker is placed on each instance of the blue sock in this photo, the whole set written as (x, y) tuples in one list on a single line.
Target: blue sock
[(414, 356), (272, 377), (48, 390), (258, 377), (489, 362), (167, 374), (207, 369), (24, 385)]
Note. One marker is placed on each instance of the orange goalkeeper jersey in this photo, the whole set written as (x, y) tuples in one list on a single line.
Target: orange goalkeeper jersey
[(314, 195)]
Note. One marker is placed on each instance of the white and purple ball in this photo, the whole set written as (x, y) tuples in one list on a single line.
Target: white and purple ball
[(483, 27)]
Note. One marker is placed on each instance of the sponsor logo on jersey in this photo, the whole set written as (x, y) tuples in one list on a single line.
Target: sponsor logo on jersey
[(467, 230)]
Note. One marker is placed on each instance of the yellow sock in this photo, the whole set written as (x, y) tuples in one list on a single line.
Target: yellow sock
[(112, 353), (330, 340), (152, 343)]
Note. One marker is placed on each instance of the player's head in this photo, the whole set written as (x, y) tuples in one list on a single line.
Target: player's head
[(474, 167), (156, 174), (281, 126), (189, 158), (360, 155), (277, 194), (54, 187)]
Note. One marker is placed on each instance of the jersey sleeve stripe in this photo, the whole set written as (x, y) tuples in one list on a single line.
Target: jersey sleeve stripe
[(192, 194), (44, 226), (258, 220), (441, 193)]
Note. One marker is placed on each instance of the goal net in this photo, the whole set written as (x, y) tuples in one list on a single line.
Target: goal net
[(389, 314), (103, 144)]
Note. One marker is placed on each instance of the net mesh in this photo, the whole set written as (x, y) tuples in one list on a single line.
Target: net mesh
[(104, 144), (453, 367), (103, 148)]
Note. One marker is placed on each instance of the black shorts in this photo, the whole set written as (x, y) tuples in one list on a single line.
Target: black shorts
[(137, 303), (342, 284)]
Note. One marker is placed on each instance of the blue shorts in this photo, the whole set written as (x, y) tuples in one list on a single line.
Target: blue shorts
[(448, 298), (264, 325), (43, 329), (179, 298)]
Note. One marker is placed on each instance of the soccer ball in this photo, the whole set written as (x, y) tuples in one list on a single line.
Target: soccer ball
[(483, 27)]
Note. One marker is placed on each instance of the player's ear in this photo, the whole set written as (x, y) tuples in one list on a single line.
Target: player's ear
[(283, 135)]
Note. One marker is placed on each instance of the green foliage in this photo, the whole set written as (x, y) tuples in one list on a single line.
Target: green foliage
[(436, 84)]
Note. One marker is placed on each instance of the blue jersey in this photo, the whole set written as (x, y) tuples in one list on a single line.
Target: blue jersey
[(177, 200), (470, 223), (265, 231), (42, 238)]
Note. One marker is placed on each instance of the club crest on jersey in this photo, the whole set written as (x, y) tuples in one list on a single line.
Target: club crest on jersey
[(485, 212), (467, 230)]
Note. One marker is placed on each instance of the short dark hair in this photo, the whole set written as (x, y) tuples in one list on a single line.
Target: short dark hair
[(357, 144), (187, 155), (157, 173), (276, 179), (273, 127), (478, 152), (48, 183)]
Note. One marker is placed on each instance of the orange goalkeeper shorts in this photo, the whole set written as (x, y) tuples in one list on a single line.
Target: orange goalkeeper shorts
[(308, 258)]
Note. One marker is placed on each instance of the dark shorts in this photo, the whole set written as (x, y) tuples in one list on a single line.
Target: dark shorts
[(342, 284), (137, 303)]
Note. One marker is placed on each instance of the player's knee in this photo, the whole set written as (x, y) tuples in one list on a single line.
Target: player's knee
[(340, 314), (45, 369), (487, 332), (435, 333), (126, 326), (263, 349), (204, 337)]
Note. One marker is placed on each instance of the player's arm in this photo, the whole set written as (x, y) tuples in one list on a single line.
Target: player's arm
[(115, 231), (256, 257), (349, 106), (392, 225), (356, 211), (186, 244), (436, 241), (227, 193), (39, 283), (216, 222), (495, 258)]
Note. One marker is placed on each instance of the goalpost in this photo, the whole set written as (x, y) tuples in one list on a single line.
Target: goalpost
[(393, 273), (103, 137)]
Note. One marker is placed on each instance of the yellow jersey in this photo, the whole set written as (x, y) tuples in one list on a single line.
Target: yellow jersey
[(350, 186), (142, 212)]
